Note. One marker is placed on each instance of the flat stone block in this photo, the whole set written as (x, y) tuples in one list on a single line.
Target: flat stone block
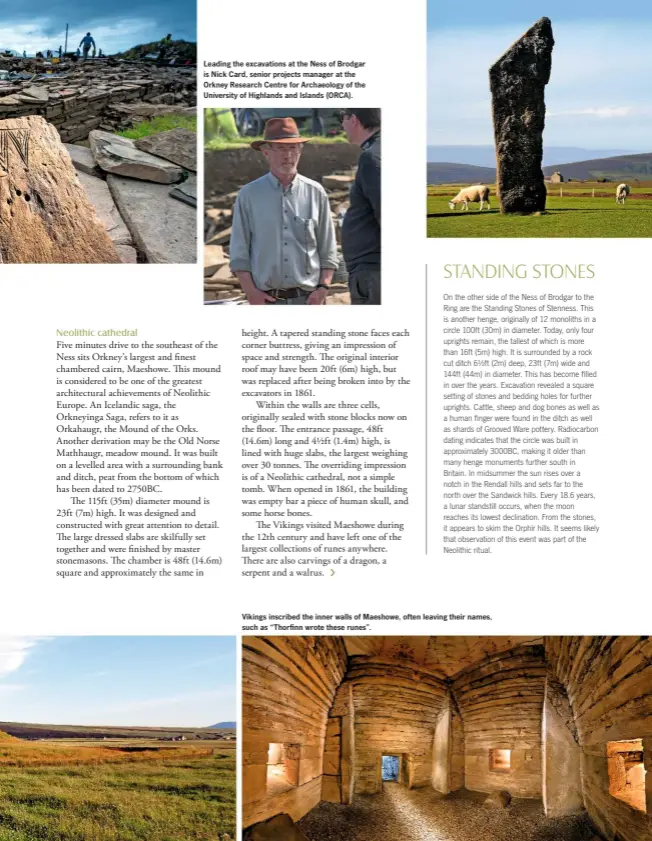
[(82, 159), (164, 229), (178, 145), (119, 156), (102, 200)]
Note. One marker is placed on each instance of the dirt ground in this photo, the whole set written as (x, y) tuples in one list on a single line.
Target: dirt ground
[(231, 169), (398, 814)]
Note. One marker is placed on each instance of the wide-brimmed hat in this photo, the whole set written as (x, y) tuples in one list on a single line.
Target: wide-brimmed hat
[(280, 130)]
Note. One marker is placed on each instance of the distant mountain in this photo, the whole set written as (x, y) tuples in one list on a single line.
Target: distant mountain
[(631, 167), (223, 725), (448, 173), (486, 155)]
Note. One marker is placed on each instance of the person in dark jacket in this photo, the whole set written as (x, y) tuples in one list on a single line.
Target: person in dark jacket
[(361, 224)]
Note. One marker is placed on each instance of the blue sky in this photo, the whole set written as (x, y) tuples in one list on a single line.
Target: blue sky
[(119, 681), (599, 93), (115, 26)]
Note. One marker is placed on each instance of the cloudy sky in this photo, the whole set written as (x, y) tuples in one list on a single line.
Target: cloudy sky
[(119, 681), (599, 94), (115, 26)]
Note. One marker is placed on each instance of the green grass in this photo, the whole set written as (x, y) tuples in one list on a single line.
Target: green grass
[(158, 124), (567, 216), (217, 144), (173, 799)]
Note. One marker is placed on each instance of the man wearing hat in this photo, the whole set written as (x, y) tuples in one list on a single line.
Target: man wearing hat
[(283, 247)]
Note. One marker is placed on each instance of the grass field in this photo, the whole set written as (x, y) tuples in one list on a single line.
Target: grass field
[(574, 214), (217, 144), (164, 122), (116, 790)]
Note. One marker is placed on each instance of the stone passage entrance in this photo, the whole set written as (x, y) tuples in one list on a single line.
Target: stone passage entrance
[(282, 767), (390, 769)]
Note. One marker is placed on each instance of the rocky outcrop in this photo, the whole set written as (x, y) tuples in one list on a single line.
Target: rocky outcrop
[(517, 81), (45, 214)]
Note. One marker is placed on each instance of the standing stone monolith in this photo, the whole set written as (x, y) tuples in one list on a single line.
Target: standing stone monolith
[(517, 81)]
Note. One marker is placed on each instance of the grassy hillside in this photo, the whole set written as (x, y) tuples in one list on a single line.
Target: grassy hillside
[(620, 168), (450, 173), (628, 168)]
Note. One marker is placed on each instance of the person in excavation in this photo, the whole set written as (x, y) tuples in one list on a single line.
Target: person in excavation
[(361, 225), (283, 247), (86, 43)]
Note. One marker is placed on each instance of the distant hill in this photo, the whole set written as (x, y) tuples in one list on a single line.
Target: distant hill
[(486, 155), (5, 737), (449, 173), (25, 730), (616, 168), (223, 725)]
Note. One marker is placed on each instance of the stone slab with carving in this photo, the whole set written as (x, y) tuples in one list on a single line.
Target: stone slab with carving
[(45, 214), (517, 81)]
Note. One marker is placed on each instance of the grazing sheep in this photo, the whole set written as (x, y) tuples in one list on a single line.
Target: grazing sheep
[(621, 193), (477, 193)]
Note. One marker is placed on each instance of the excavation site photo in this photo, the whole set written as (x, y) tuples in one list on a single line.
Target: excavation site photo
[(447, 738), (98, 148)]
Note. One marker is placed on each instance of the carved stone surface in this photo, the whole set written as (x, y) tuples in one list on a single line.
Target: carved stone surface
[(517, 81), (45, 214)]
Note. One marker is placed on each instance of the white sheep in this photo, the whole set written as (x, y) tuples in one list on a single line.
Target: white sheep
[(621, 193), (477, 193)]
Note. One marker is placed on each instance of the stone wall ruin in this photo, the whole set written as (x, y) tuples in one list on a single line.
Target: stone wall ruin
[(77, 97)]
